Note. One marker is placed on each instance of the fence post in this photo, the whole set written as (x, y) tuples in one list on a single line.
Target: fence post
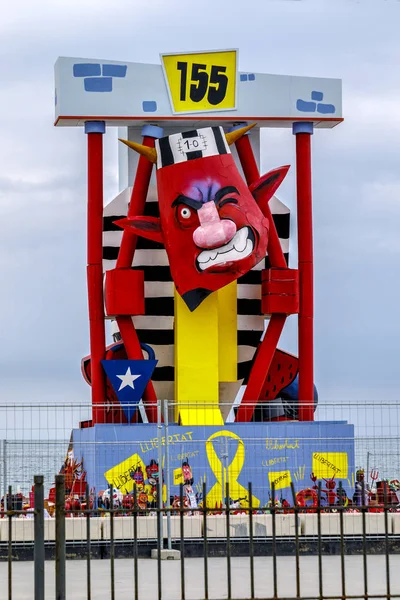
[(5, 471), (167, 474), (8, 505), (60, 537), (160, 471), (39, 538)]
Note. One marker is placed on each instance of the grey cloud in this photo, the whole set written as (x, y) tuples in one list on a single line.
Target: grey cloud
[(356, 181)]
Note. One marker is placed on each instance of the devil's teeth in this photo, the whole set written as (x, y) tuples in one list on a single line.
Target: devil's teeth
[(240, 239), (238, 248)]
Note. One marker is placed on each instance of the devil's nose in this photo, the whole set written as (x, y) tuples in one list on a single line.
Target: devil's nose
[(213, 231), (215, 234)]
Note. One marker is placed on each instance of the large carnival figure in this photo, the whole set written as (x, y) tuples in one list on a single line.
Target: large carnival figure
[(215, 230)]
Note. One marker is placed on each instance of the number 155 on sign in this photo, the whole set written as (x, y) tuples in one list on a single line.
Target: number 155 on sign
[(201, 82)]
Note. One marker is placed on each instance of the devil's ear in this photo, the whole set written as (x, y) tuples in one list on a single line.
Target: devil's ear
[(146, 227), (264, 188)]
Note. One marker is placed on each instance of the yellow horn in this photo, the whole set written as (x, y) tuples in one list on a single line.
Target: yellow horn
[(149, 153), (233, 136)]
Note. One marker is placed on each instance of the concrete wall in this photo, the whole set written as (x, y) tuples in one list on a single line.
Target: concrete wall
[(23, 529)]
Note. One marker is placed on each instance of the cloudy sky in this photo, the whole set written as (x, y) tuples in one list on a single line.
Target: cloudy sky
[(356, 175)]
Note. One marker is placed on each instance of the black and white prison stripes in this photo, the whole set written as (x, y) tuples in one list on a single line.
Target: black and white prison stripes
[(156, 327), (197, 143)]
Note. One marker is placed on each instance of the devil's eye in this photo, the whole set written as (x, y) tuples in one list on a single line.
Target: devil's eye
[(186, 216), (186, 213)]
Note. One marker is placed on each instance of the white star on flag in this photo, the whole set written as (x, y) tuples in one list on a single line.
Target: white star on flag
[(127, 379)]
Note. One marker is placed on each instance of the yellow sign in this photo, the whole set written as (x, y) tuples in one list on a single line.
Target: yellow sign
[(281, 479), (178, 476), (329, 464), (201, 82), (120, 475)]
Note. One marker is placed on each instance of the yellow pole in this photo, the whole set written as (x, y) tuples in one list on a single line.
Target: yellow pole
[(197, 362)]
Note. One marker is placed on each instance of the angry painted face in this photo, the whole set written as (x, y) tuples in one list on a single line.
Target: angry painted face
[(210, 223), (213, 230)]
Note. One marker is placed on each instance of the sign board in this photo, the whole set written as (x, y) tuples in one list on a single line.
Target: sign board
[(200, 82), (330, 464), (280, 479), (193, 89), (236, 452)]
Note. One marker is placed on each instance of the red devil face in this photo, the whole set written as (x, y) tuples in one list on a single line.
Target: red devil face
[(211, 225), (212, 228)]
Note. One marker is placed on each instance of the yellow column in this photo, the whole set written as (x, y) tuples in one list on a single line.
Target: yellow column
[(196, 363), (227, 332)]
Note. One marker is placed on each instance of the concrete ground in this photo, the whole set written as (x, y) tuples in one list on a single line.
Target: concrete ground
[(124, 584)]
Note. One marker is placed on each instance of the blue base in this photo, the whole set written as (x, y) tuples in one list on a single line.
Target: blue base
[(256, 452)]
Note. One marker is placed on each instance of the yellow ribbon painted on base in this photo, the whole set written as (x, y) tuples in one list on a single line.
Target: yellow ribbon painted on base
[(230, 474)]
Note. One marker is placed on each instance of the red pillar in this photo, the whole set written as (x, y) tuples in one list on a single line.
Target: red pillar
[(266, 350), (126, 254), (303, 132), (246, 156), (138, 196), (95, 131)]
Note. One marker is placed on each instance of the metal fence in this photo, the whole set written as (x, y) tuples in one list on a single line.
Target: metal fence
[(39, 435), (277, 562), (234, 550)]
